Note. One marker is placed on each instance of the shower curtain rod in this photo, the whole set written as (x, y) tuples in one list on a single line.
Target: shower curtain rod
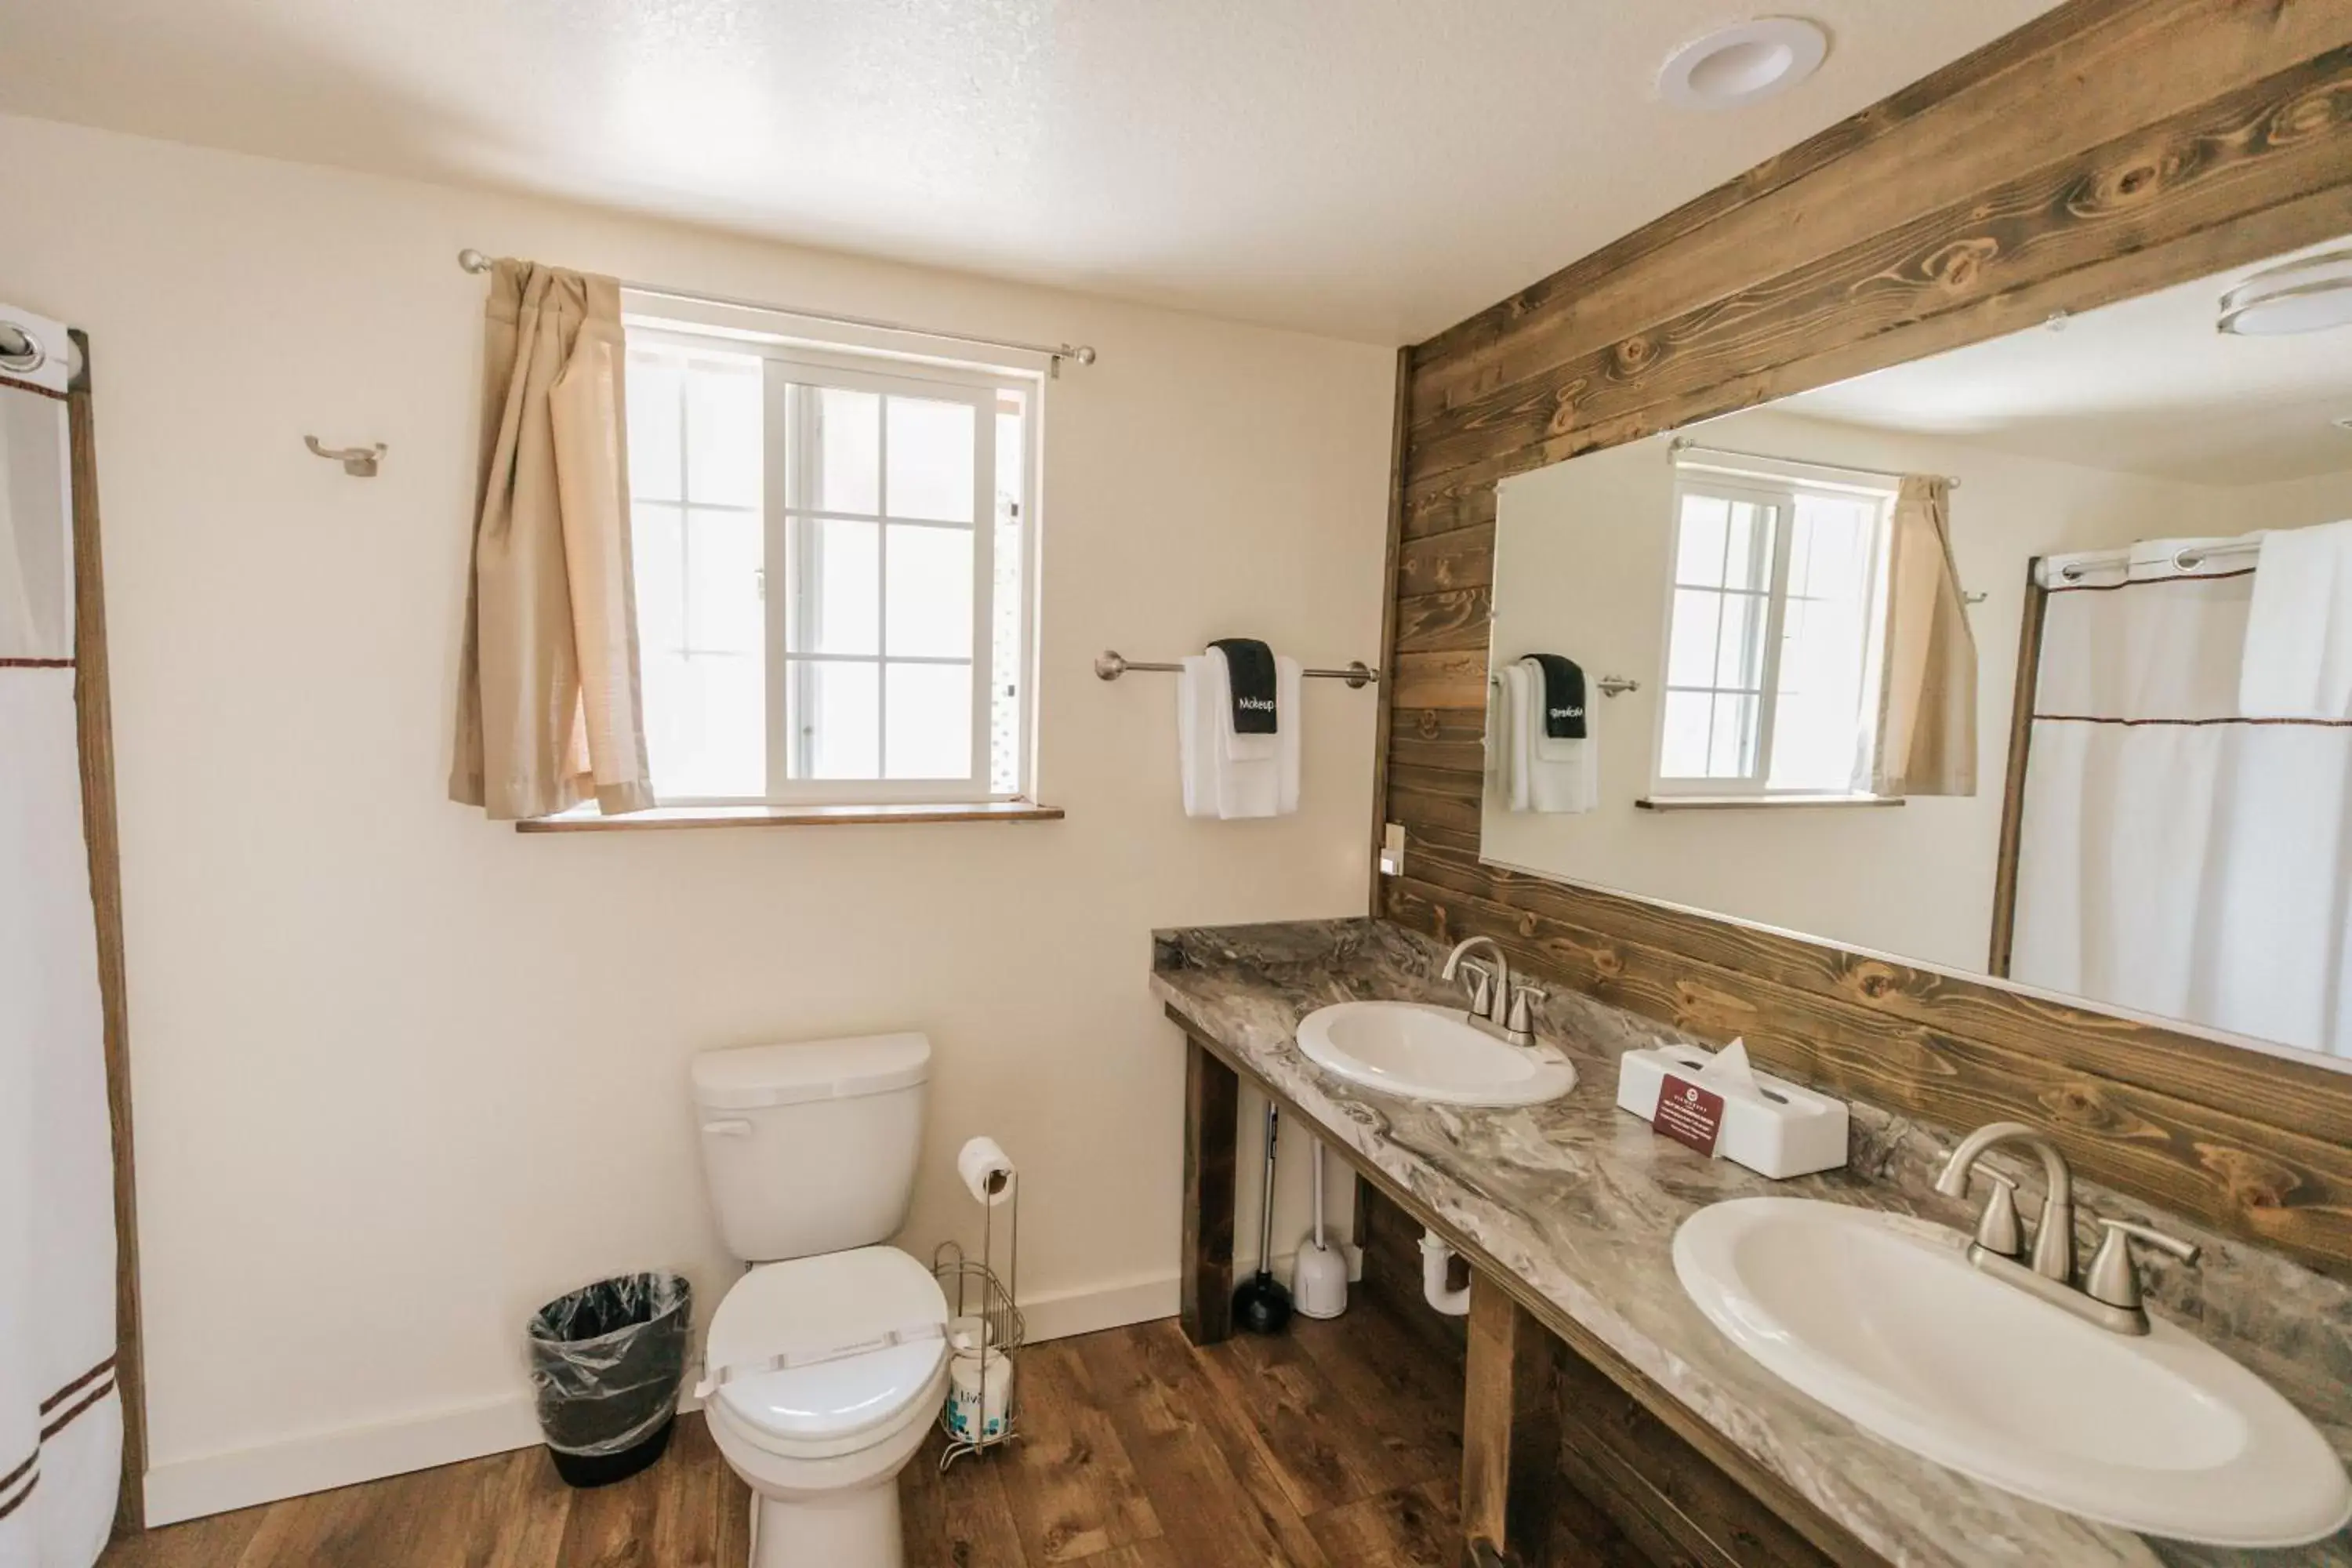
[(473, 261), (2074, 568), (1681, 444)]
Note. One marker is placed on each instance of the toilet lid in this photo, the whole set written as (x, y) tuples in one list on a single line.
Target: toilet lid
[(814, 1303)]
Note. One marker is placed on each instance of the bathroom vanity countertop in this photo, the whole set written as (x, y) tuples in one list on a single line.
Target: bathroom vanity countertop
[(1580, 1202)]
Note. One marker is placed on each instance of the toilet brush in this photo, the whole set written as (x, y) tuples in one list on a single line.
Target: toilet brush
[(1318, 1280), (1262, 1306)]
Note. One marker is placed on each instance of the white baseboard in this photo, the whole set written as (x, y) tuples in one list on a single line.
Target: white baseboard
[(215, 1483), (320, 1461), (1058, 1317)]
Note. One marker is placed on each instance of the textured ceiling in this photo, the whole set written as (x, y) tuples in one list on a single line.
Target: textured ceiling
[(1374, 169), (2147, 386)]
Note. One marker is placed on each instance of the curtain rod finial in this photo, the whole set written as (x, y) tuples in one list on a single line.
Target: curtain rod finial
[(473, 261)]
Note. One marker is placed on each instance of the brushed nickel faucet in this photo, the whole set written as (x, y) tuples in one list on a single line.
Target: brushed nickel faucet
[(2109, 1295), (1497, 1006)]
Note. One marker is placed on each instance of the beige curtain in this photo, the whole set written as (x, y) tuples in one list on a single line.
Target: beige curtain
[(1927, 693), (548, 708)]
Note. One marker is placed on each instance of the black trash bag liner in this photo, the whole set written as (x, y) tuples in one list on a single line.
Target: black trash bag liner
[(606, 1363)]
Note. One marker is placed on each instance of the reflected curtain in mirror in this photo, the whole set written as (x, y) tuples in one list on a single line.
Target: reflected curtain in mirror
[(1927, 696), (549, 713), (2175, 857)]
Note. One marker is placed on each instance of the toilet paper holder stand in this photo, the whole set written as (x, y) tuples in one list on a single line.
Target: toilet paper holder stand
[(977, 1293)]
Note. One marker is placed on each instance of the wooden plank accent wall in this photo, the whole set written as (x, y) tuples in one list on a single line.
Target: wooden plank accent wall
[(2108, 148)]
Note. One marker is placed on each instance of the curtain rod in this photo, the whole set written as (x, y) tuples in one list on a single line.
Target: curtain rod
[(473, 261), (1680, 444), (2187, 558)]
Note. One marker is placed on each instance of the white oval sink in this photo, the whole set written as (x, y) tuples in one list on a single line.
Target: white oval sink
[(1880, 1318), (1423, 1052)]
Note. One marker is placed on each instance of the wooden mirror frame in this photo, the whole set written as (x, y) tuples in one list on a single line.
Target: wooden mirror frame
[(2107, 149)]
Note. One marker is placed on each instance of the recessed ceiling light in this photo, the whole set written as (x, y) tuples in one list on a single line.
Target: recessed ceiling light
[(1734, 66), (2306, 296)]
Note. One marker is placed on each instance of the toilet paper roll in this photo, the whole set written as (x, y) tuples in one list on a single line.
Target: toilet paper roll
[(987, 1173)]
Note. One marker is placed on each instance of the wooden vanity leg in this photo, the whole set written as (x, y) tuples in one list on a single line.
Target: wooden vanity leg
[(1212, 1125), (1510, 1432)]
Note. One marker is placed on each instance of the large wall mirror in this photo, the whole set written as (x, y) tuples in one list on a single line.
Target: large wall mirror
[(2032, 659)]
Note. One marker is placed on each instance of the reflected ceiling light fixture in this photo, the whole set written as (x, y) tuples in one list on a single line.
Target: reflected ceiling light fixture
[(1734, 66), (2306, 296)]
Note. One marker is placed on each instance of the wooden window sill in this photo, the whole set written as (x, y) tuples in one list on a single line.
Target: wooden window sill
[(1766, 801), (677, 816)]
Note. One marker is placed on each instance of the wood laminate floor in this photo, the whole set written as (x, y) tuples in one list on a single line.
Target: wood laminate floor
[(1335, 1445)]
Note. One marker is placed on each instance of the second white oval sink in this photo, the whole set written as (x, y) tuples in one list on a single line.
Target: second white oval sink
[(1425, 1052), (1882, 1319)]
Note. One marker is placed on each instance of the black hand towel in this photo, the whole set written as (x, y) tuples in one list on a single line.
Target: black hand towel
[(1249, 664), (1563, 696)]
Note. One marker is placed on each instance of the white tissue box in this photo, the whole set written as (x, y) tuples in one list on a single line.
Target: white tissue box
[(1767, 1124)]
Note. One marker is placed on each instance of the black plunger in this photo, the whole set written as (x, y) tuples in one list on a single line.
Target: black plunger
[(1262, 1306)]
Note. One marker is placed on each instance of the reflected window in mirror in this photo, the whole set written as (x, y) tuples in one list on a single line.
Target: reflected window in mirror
[(1775, 637)]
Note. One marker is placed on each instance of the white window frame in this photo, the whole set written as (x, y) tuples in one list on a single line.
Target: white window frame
[(787, 361), (1780, 492)]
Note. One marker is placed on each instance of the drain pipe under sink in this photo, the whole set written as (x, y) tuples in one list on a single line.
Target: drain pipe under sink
[(1435, 1256)]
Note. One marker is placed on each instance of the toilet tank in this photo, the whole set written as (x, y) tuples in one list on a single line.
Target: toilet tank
[(811, 1148)]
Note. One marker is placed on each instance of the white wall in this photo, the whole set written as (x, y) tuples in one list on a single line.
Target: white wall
[(401, 1074), (1581, 571)]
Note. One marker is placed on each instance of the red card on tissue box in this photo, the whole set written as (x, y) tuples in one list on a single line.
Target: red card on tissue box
[(1689, 1114)]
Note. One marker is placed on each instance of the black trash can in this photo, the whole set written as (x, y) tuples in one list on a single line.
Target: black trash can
[(606, 1363)]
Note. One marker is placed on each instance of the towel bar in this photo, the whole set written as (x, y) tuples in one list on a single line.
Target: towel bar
[(1110, 666), (1609, 685)]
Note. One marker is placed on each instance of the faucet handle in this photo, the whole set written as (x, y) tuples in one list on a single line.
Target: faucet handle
[(1997, 1228), (2113, 1276), (1522, 1020), (1480, 981)]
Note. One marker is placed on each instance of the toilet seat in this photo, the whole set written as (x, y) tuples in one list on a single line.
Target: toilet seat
[(841, 1406)]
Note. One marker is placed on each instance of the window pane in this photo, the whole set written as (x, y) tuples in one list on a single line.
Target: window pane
[(1748, 562), (706, 725), (723, 556), (1733, 742), (656, 462), (1740, 651), (1005, 746), (722, 432), (931, 460), (929, 592), (931, 721), (1700, 559), (1012, 451), (1690, 645), (840, 719), (846, 446), (1682, 751), (837, 595), (1819, 728), (657, 560)]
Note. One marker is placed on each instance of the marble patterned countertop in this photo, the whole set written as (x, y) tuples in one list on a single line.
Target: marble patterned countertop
[(1580, 1202)]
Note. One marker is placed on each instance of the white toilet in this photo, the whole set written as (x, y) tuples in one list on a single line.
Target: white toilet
[(809, 1152)]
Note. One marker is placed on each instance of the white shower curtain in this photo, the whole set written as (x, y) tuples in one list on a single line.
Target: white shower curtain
[(60, 1416), (2174, 857)]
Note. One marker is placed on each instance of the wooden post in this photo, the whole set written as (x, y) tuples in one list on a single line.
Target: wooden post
[(1211, 1124), (1510, 1432)]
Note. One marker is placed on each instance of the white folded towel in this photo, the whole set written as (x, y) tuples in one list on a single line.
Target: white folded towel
[(1534, 771), (2297, 662), (1229, 775)]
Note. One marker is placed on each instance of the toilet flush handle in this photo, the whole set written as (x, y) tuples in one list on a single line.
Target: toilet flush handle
[(732, 1126)]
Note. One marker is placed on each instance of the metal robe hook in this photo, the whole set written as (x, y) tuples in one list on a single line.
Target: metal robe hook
[(360, 462)]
